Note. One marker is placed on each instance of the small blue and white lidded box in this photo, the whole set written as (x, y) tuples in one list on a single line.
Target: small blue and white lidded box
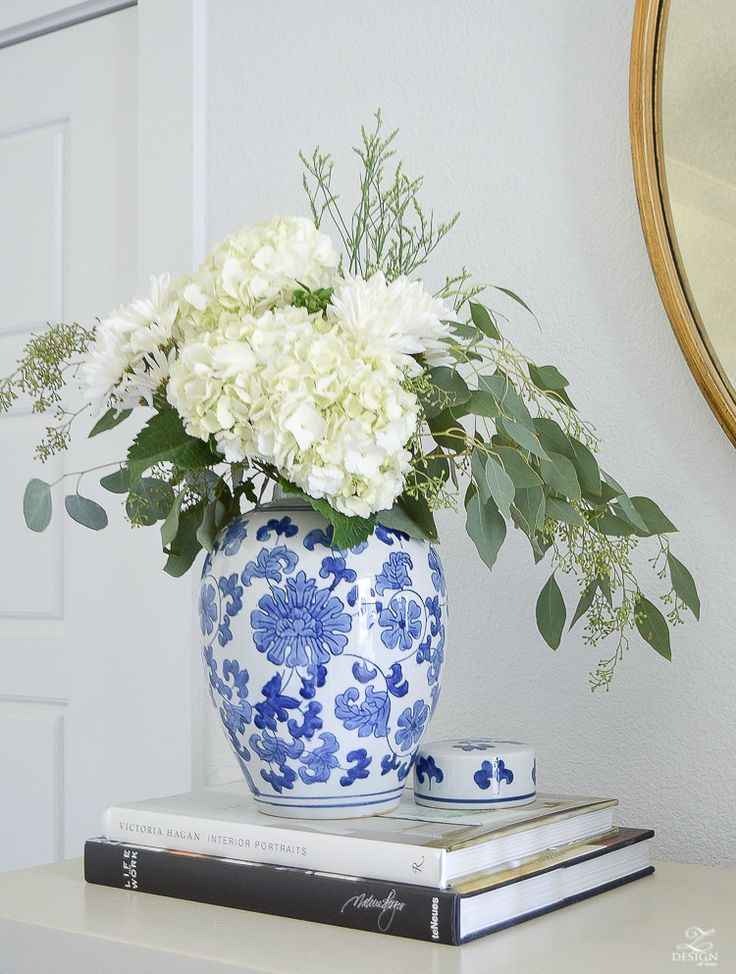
[(479, 772)]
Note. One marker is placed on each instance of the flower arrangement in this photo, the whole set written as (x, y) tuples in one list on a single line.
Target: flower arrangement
[(344, 379)]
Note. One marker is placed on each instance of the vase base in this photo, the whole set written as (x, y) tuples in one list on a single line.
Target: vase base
[(355, 809)]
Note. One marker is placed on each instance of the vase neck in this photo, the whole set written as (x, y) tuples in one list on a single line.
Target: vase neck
[(280, 500)]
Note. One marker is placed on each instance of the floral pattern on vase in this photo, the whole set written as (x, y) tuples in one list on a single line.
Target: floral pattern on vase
[(324, 664)]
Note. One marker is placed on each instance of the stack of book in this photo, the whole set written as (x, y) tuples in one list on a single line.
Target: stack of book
[(446, 877)]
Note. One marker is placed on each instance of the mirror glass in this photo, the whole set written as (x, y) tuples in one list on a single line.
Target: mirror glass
[(698, 132)]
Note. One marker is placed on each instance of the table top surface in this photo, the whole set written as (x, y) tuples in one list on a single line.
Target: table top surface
[(49, 913)]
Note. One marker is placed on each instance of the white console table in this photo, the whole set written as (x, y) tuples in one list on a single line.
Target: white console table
[(51, 922)]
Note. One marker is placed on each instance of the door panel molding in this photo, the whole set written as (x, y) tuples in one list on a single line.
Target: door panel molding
[(69, 16), (48, 135), (38, 729)]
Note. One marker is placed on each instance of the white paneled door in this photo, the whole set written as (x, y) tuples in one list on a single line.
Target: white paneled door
[(94, 639)]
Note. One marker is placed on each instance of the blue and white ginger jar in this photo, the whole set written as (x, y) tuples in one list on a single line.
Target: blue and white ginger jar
[(324, 664)]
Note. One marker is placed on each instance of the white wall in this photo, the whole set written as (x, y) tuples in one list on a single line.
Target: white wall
[(517, 114)]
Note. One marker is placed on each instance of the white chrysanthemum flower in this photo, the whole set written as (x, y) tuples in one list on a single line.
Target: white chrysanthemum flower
[(257, 268), (398, 320), (131, 354), (297, 391)]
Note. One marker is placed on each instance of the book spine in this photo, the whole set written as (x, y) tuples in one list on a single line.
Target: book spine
[(282, 846), (396, 909)]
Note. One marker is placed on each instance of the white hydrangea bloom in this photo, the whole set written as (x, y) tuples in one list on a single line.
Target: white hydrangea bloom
[(298, 391), (257, 268), (133, 348), (396, 320)]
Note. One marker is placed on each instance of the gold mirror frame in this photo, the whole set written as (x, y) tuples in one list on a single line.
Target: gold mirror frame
[(645, 119)]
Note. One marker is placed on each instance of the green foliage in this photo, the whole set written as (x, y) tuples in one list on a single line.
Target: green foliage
[(111, 419), (149, 500), (313, 301), (511, 426), (446, 390), (117, 482), (388, 230), (400, 519), (170, 527), (41, 374), (683, 585), (551, 613), (186, 546), (37, 505), (163, 439), (652, 626), (347, 532), (485, 526), (86, 512), (484, 321)]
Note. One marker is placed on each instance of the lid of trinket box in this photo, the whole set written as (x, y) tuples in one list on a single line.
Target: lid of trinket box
[(475, 773)]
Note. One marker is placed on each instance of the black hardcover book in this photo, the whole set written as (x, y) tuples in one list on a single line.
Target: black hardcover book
[(449, 916)]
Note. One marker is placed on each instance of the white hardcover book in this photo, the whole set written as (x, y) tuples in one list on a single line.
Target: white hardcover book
[(413, 844)]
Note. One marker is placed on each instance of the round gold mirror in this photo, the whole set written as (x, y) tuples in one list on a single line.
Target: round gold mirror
[(683, 137)]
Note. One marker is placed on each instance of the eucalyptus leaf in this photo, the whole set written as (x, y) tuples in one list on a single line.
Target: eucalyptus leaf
[(418, 510), (529, 510), (560, 510), (553, 437), (652, 627), (111, 419), (468, 333), (448, 433), (559, 474), (480, 403), (37, 505), (541, 544), (117, 482), (435, 468), (514, 297), (171, 525), (550, 381), (486, 528), (586, 468), (624, 507), (520, 434), (684, 585), (399, 519), (86, 512), (185, 546), (604, 584), (149, 500), (547, 378), (478, 470), (606, 494), (500, 486), (551, 613), (447, 389), (616, 488), (509, 401), (207, 530), (650, 513), (585, 602), (483, 320), (611, 524), (522, 474)]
